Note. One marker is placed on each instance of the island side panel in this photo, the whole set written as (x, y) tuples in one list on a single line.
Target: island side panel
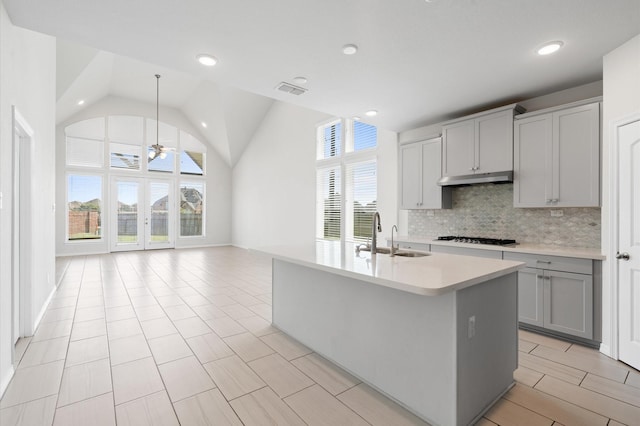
[(487, 360), (400, 343)]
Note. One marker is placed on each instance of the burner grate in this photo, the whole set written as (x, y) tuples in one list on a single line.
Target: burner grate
[(478, 240)]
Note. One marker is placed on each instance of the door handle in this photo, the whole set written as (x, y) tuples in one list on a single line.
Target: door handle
[(623, 256)]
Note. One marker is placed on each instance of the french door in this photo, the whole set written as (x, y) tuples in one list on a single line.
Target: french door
[(142, 214)]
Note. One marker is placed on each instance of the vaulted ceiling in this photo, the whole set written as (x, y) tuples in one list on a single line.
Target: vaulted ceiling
[(231, 115), (419, 61)]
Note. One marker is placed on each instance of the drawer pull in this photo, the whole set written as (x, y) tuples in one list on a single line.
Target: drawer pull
[(547, 262)]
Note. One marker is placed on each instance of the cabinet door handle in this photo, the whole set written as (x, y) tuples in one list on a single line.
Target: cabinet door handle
[(623, 256), (540, 277)]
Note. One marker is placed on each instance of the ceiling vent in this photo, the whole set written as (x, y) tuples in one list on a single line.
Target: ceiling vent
[(290, 88)]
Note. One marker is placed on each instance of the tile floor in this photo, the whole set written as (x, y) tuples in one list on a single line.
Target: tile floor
[(185, 337)]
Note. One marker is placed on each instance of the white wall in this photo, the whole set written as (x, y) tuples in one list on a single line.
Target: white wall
[(274, 192), (28, 81), (274, 183), (218, 179), (621, 99)]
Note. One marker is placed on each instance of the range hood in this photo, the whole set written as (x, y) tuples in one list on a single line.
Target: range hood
[(496, 177)]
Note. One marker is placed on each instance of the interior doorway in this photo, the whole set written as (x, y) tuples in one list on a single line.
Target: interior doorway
[(142, 213), (627, 140), (21, 238)]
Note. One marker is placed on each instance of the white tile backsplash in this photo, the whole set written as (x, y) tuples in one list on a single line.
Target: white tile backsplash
[(487, 211)]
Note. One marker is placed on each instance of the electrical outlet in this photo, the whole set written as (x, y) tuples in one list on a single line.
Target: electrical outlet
[(0, 200), (472, 327), (557, 213), (430, 213)]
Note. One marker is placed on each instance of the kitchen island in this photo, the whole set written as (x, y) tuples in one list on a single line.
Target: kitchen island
[(438, 334)]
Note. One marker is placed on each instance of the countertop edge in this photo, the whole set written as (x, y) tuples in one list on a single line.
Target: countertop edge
[(576, 252), (397, 285)]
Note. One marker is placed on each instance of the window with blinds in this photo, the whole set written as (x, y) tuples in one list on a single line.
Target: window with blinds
[(346, 180), (125, 156), (330, 140), (84, 152), (329, 204), (365, 136), (361, 196)]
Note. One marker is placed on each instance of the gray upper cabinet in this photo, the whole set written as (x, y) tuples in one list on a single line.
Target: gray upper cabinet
[(480, 143), (557, 157), (420, 169)]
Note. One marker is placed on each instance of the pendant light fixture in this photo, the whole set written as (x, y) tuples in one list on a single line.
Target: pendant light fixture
[(157, 149)]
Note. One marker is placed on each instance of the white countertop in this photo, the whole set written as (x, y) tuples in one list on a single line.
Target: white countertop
[(431, 275), (577, 252)]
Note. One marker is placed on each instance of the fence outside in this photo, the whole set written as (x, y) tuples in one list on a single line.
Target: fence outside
[(84, 224), (190, 223)]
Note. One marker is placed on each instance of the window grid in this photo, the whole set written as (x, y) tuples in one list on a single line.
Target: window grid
[(346, 181)]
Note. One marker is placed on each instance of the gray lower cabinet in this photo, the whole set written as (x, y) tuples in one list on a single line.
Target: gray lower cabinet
[(558, 300), (568, 303), (530, 297)]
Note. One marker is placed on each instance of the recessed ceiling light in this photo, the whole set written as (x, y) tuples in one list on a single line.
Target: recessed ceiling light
[(550, 48), (371, 113), (81, 102), (207, 60), (204, 124), (349, 49), (300, 80)]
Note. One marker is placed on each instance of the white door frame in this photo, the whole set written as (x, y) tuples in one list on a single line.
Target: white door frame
[(614, 229), (21, 237)]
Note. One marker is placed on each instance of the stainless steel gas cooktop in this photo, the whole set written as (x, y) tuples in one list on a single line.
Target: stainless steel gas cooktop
[(478, 240)]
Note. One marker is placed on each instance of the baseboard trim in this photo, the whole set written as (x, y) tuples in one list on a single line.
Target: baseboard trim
[(44, 308), (4, 383)]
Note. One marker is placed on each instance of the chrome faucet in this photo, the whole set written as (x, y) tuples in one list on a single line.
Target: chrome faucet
[(392, 252), (376, 227)]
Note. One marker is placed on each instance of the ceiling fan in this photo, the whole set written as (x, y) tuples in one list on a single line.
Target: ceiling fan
[(158, 150)]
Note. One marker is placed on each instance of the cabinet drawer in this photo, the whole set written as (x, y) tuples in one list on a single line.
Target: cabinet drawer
[(553, 263), (464, 251)]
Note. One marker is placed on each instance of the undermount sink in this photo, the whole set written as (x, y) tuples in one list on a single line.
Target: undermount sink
[(410, 254), (387, 250), (379, 250)]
